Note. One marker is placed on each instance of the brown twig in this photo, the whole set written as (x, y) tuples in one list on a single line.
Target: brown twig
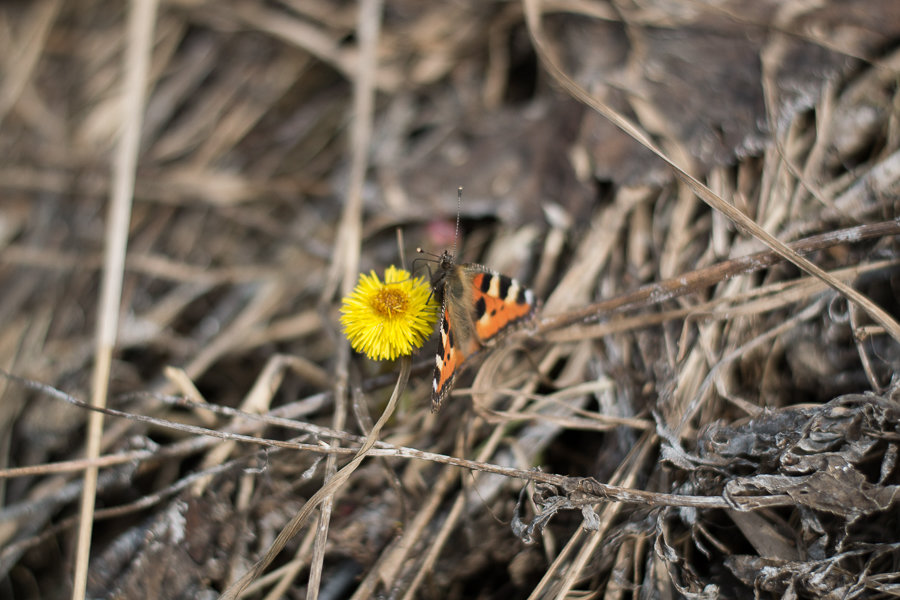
[(700, 279)]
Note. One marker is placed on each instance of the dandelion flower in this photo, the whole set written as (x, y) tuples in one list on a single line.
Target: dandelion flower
[(388, 319)]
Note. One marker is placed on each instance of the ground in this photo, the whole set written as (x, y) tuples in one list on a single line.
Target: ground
[(702, 195)]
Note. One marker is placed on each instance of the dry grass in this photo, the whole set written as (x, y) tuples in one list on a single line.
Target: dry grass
[(704, 195)]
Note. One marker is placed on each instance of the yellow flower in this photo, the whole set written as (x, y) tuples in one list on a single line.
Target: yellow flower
[(390, 319)]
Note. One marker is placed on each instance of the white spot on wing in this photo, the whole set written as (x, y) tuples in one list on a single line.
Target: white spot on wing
[(494, 289), (513, 292)]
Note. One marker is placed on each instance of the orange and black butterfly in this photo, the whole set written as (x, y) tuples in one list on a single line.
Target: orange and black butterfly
[(477, 306)]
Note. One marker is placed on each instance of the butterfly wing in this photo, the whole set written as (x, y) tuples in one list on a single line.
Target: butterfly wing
[(458, 339), (447, 362), (478, 306), (499, 303)]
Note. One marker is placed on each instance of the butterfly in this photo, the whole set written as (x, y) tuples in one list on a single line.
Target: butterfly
[(477, 306)]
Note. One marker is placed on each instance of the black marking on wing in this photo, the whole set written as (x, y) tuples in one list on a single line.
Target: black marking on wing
[(480, 307), (505, 283)]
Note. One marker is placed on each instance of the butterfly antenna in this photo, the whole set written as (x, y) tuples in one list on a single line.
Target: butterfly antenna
[(458, 211)]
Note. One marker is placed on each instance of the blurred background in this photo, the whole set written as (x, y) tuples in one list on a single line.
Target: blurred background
[(259, 178)]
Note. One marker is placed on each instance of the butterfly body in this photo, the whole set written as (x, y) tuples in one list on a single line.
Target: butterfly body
[(477, 306)]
